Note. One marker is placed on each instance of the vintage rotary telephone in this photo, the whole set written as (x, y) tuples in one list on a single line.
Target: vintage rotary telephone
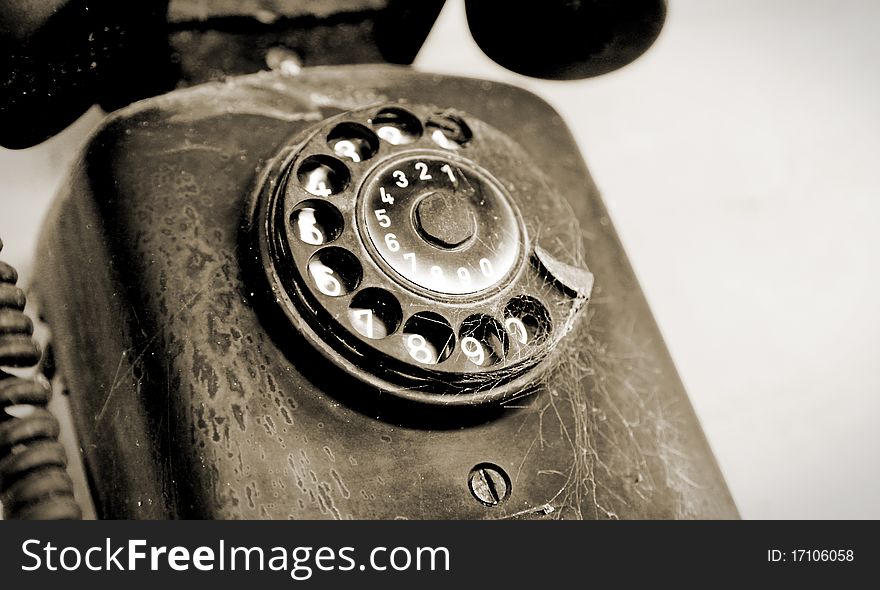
[(341, 291)]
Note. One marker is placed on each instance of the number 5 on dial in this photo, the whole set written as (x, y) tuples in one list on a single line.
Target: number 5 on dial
[(384, 220)]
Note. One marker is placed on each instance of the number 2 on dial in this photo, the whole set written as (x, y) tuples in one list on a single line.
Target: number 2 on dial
[(423, 171)]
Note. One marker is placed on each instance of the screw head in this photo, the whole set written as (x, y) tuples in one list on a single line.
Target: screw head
[(489, 484)]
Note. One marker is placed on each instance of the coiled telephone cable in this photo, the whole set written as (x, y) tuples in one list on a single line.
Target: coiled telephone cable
[(34, 484)]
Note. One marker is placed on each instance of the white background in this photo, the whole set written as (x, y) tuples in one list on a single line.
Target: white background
[(739, 161)]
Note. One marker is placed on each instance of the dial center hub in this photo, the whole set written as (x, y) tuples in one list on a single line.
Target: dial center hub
[(445, 219)]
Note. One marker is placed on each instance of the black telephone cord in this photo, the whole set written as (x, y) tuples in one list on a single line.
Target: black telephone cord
[(34, 484)]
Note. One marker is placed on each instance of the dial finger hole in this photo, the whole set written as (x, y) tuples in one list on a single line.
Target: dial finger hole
[(335, 271), (397, 126), (353, 142), (375, 313), (428, 338), (526, 320), (316, 222), (449, 131), (483, 340), (322, 175)]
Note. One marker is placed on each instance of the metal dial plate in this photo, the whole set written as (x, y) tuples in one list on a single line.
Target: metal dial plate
[(400, 240)]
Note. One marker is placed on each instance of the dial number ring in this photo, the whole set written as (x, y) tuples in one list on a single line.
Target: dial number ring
[(441, 225)]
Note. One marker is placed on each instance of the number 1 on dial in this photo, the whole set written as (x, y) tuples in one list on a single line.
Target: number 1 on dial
[(448, 170)]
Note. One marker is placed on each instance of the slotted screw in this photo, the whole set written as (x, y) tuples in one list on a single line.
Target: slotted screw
[(489, 484)]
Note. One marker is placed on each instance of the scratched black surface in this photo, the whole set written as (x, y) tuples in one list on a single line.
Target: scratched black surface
[(187, 406)]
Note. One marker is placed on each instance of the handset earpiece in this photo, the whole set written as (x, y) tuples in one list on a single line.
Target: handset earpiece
[(565, 39)]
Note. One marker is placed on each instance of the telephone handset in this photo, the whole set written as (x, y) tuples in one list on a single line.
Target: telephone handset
[(405, 241)]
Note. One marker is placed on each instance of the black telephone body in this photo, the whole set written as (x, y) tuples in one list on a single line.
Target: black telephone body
[(217, 372)]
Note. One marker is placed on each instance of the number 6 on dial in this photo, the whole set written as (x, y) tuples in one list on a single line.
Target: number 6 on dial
[(325, 281), (392, 243)]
